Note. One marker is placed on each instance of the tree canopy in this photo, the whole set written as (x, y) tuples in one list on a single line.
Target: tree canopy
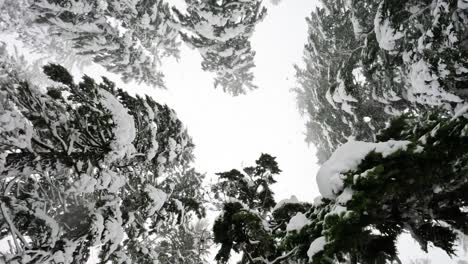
[(414, 179), (368, 61), (221, 31), (88, 169), (82, 165)]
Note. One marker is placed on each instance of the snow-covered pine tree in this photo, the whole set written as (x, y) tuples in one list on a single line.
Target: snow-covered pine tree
[(128, 38), (251, 223), (81, 166), (183, 236), (246, 201), (415, 178), (332, 91), (221, 31), (367, 61), (430, 38)]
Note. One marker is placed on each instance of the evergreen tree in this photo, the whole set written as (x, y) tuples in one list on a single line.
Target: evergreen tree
[(251, 222), (331, 89), (246, 202), (182, 235), (221, 31), (128, 38), (415, 179), (366, 61), (83, 165), (428, 41)]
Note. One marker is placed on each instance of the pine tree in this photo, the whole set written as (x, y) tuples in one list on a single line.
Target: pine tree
[(331, 88), (128, 38), (427, 40), (221, 31), (414, 178), (82, 165), (366, 61), (251, 222), (246, 202), (183, 235)]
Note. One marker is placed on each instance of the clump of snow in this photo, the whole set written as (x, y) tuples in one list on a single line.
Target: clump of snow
[(460, 110), (385, 34), (249, 181), (318, 200), (3, 157), (297, 222), (462, 4), (359, 76), (356, 26), (180, 5), (107, 180), (172, 149), (102, 5), (341, 96), (292, 200), (111, 181), (180, 207), (362, 175), (152, 151), (158, 198), (330, 99), (97, 226), (85, 184), (50, 222), (12, 122), (337, 210), (124, 130), (65, 256), (113, 233), (316, 246), (345, 196), (117, 25), (425, 87), (161, 159), (346, 158)]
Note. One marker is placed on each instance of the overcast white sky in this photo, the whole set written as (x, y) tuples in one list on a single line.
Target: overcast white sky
[(232, 132)]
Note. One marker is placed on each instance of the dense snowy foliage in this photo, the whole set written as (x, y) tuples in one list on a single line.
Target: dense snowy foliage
[(86, 165), (129, 38), (366, 61), (414, 178), (221, 31), (247, 202), (86, 168)]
